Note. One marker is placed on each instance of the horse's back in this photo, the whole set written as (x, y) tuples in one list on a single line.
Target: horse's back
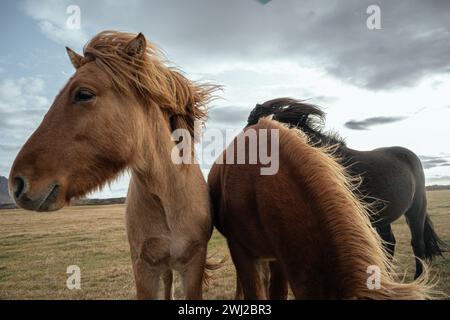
[(405, 156), (393, 175)]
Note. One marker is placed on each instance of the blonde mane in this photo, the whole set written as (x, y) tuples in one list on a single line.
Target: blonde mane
[(150, 78), (346, 219)]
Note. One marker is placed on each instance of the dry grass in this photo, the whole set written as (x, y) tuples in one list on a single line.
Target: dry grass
[(36, 248)]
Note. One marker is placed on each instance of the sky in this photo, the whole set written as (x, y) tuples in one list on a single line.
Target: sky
[(382, 86)]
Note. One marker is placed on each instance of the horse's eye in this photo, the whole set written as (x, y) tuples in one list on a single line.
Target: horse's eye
[(84, 95)]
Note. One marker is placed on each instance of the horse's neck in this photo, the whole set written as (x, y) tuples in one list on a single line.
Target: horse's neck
[(170, 193), (322, 139), (162, 179)]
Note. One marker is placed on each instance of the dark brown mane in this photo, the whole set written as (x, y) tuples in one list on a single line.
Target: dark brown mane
[(296, 113)]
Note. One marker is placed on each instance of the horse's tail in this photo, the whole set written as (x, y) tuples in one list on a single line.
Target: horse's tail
[(434, 246)]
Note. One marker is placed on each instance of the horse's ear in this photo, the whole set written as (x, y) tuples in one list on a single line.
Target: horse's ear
[(75, 58), (137, 46)]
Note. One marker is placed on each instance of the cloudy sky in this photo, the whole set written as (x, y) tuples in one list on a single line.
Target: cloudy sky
[(379, 87)]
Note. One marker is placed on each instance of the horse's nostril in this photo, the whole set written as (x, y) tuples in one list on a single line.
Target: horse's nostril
[(19, 187)]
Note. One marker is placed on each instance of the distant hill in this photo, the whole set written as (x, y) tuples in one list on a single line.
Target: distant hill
[(4, 194), (7, 203), (88, 202), (437, 187)]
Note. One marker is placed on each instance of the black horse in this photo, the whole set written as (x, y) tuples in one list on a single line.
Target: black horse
[(392, 181)]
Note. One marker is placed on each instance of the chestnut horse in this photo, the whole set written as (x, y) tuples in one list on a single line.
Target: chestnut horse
[(307, 217), (117, 112)]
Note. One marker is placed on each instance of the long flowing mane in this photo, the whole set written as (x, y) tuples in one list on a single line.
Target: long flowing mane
[(150, 78), (345, 218), (307, 117)]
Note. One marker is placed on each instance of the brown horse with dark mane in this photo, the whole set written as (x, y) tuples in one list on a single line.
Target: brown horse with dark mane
[(117, 112), (306, 217)]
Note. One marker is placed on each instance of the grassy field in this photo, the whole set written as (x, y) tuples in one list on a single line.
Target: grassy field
[(37, 248)]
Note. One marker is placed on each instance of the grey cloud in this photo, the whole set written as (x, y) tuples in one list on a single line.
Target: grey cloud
[(324, 99), (21, 121), (22, 106), (413, 41), (426, 158), (370, 122), (229, 115), (429, 162)]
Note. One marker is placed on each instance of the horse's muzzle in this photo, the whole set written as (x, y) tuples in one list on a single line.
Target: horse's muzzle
[(20, 191)]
